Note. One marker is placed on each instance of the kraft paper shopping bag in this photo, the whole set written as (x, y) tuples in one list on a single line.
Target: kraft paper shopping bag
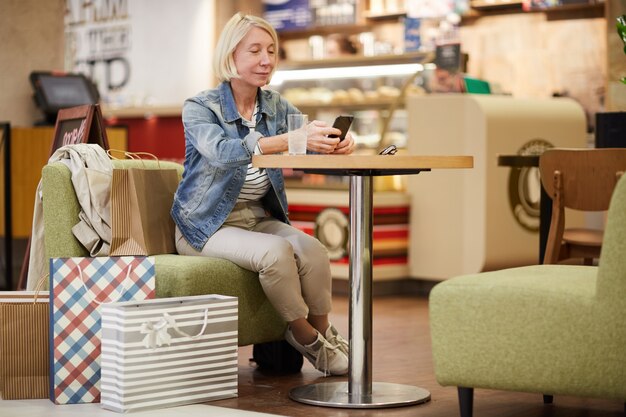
[(141, 200), (79, 288), (24, 370)]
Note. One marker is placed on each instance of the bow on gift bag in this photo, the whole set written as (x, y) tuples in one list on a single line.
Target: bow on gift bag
[(157, 334), (141, 200), (79, 288)]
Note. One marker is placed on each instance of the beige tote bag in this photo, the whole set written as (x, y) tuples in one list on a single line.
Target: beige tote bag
[(141, 200)]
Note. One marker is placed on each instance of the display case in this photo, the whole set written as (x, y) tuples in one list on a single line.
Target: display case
[(372, 89)]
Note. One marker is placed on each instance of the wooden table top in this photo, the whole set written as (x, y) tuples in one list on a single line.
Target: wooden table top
[(363, 162)]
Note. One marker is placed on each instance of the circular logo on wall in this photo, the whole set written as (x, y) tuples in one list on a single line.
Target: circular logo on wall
[(332, 228), (525, 187)]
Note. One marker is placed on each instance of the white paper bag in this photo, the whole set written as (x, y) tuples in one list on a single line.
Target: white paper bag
[(168, 352)]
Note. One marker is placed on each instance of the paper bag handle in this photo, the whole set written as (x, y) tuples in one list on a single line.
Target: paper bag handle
[(157, 335), (133, 155), (39, 286), (111, 151), (121, 294), (137, 156), (172, 322)]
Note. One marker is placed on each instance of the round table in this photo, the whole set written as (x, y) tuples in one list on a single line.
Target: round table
[(359, 391)]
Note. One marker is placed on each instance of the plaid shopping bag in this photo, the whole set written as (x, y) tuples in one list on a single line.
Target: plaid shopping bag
[(78, 286)]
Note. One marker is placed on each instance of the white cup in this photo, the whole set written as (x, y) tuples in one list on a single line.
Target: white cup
[(296, 125)]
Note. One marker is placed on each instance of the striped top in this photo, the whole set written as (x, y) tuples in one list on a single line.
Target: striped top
[(257, 182)]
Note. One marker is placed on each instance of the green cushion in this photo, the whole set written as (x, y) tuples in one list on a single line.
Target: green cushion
[(514, 330), (176, 275)]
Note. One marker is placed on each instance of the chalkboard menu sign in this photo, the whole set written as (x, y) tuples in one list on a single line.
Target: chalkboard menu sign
[(80, 124)]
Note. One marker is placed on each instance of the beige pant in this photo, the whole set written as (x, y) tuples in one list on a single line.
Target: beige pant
[(293, 267)]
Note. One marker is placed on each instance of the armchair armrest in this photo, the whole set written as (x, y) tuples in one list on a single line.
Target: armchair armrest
[(60, 212)]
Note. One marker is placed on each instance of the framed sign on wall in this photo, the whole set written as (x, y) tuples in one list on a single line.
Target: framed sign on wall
[(80, 124)]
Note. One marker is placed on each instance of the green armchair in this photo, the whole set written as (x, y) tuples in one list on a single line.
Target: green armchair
[(176, 275), (549, 329)]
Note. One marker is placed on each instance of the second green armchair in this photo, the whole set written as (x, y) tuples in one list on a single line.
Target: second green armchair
[(547, 329)]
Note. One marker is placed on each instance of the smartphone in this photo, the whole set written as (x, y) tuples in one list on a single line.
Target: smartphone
[(342, 123)]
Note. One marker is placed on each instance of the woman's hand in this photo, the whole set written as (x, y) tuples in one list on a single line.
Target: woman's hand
[(317, 137), (346, 146), (318, 140)]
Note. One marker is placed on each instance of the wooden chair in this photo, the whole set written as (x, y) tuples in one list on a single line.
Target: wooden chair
[(579, 179)]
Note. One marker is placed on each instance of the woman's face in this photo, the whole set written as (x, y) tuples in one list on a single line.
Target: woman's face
[(255, 57)]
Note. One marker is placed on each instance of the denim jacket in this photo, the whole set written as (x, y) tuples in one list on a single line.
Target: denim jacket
[(218, 149)]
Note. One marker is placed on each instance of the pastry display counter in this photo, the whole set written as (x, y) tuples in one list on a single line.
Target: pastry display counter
[(325, 215), (348, 82), (370, 88)]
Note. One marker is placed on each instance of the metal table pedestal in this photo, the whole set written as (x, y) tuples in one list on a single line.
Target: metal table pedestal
[(359, 391)]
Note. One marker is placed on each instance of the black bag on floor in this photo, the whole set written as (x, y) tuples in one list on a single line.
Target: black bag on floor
[(277, 357)]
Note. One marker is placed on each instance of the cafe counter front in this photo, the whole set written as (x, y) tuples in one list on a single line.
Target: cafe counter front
[(485, 218)]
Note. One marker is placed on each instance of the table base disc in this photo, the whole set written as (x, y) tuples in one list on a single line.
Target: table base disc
[(335, 394)]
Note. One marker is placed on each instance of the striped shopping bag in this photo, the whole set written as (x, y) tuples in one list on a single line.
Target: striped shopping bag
[(168, 352), (78, 289)]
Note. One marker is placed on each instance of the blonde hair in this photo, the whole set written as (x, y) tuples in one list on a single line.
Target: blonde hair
[(235, 30)]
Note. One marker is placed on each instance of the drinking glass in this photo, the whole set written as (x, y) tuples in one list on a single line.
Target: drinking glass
[(296, 125)]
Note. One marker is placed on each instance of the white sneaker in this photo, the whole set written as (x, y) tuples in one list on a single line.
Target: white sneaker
[(335, 339), (324, 357)]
